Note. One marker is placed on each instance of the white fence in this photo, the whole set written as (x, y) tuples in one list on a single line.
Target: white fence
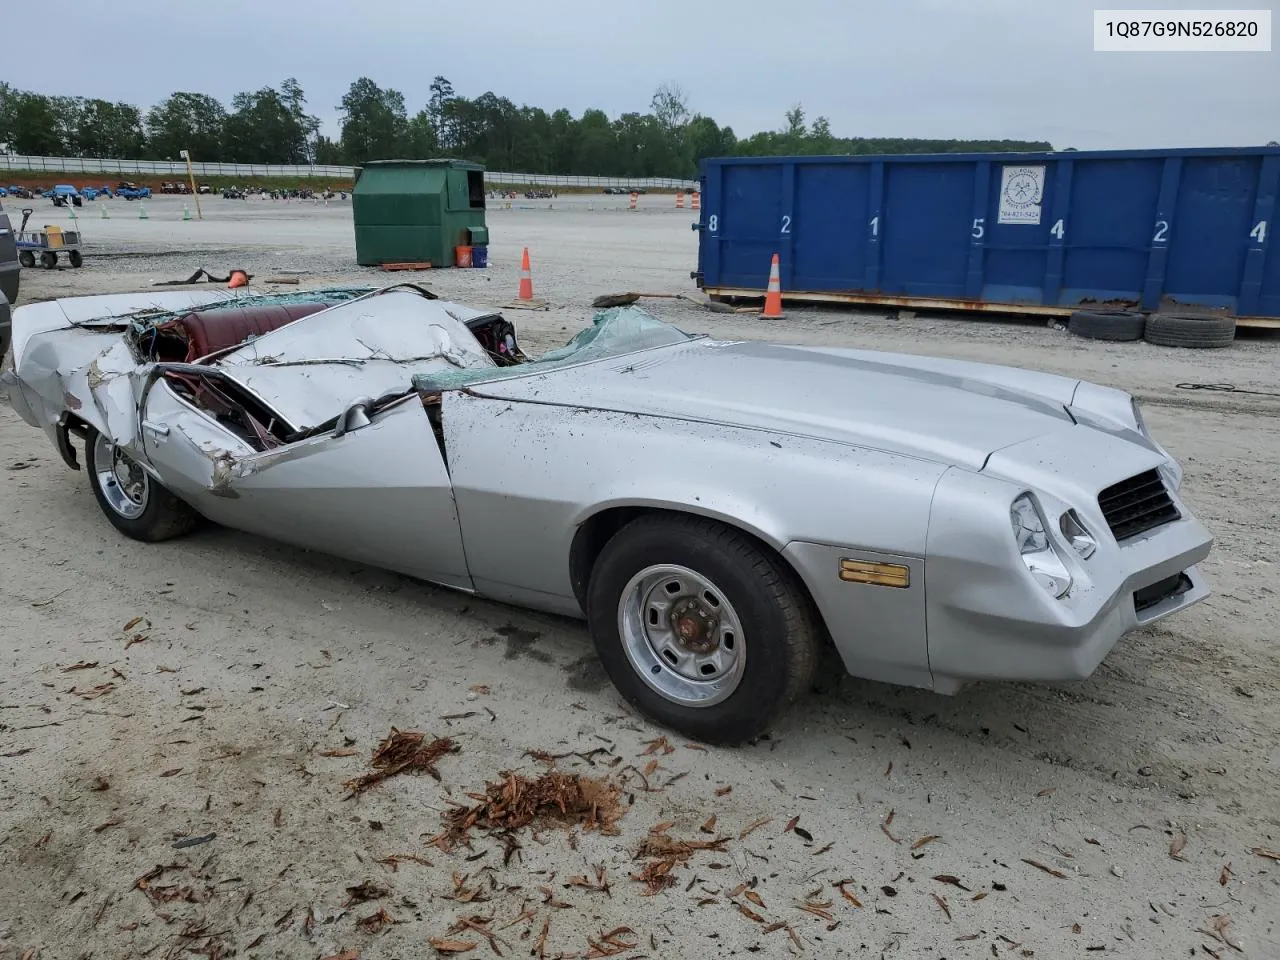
[(178, 168)]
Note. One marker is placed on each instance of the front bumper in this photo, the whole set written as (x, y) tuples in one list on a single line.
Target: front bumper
[(988, 619)]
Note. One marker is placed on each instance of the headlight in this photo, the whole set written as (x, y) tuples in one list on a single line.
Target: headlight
[(1081, 540), (1036, 548)]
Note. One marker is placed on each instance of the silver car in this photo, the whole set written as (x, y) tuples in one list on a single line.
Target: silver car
[(717, 511)]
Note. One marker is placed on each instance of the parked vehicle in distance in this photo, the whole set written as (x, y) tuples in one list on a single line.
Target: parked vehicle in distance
[(65, 193), (10, 277), (89, 193), (939, 521), (130, 191)]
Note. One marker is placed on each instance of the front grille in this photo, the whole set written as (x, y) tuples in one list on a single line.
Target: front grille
[(1137, 505), (1157, 593)]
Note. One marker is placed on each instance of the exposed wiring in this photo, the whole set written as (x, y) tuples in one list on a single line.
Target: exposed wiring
[(1226, 388)]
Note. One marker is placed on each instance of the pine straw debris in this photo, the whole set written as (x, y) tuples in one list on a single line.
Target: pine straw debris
[(664, 853), (401, 751), (554, 798)]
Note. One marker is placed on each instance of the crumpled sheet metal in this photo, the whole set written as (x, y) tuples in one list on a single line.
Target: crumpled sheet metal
[(615, 331)]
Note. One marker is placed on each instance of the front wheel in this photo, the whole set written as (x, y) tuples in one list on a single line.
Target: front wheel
[(27, 258), (135, 504), (700, 627)]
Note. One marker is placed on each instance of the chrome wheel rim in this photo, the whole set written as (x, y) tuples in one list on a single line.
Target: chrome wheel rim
[(682, 635), (124, 485)]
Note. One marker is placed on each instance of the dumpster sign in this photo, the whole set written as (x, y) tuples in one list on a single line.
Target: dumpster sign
[(1021, 192)]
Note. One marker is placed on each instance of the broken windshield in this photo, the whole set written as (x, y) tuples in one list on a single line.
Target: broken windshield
[(613, 332)]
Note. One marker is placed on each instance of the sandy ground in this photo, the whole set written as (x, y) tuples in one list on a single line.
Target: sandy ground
[(1117, 816)]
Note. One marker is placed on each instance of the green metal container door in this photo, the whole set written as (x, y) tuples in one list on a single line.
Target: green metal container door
[(416, 210)]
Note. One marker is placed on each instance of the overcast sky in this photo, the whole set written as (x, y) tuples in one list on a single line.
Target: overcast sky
[(914, 68)]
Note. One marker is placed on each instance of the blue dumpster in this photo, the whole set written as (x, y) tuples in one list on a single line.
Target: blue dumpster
[(1023, 233)]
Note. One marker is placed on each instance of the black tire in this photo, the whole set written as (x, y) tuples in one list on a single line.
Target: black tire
[(779, 623), (1187, 330), (75, 258), (1119, 326), (26, 258), (48, 259), (163, 517)]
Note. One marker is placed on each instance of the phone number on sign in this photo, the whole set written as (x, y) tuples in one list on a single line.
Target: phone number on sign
[(1181, 28)]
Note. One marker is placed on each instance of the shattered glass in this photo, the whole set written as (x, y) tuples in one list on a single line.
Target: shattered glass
[(613, 332)]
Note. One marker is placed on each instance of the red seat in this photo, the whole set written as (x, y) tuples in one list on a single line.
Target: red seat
[(208, 331)]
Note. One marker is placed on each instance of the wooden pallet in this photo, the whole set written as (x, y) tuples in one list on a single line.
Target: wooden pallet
[(420, 265)]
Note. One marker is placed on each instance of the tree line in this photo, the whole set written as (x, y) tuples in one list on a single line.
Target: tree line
[(272, 125)]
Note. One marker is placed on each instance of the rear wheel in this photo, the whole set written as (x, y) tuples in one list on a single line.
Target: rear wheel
[(135, 504), (75, 258), (48, 260), (27, 258), (700, 627)]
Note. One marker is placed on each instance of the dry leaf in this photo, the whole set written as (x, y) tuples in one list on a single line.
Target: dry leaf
[(750, 914), (709, 826), (1269, 854), (884, 827), (1176, 846), (1046, 792), (131, 624), (972, 936), (953, 881), (925, 840), (1076, 929), (848, 896), (452, 946), (100, 784), (82, 665), (172, 773), (942, 902), (753, 827), (754, 898), (1049, 870), (338, 753), (650, 767), (136, 638), (889, 769), (1225, 876), (724, 791)]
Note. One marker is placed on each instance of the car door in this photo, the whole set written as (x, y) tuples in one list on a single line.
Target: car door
[(375, 490)]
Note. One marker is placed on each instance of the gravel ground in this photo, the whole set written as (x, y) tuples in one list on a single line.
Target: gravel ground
[(1117, 816)]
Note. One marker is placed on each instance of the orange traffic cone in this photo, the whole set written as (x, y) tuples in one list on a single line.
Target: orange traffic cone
[(697, 200), (773, 296), (238, 279), (680, 200), (526, 278)]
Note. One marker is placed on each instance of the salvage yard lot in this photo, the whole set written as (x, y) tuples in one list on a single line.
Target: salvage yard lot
[(224, 685)]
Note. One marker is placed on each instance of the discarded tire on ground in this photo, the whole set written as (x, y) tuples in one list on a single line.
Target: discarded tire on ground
[(1119, 325), (1186, 330)]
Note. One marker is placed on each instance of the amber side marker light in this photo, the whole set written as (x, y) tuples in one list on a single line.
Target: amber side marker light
[(879, 574)]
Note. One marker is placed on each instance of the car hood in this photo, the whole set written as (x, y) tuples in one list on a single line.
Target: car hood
[(948, 411)]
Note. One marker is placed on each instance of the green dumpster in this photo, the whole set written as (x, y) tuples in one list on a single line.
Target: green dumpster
[(416, 210)]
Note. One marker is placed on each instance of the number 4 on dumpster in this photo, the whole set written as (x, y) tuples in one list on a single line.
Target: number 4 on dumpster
[(1259, 232)]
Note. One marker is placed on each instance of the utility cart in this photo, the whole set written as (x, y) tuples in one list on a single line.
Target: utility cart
[(47, 244)]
